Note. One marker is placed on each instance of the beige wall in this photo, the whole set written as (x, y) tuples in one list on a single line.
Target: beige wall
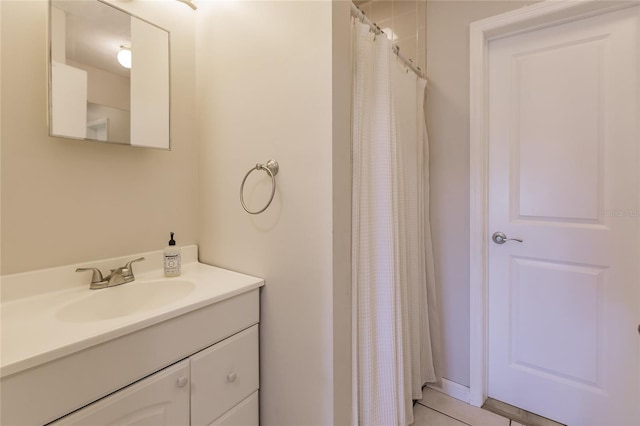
[(67, 201), (341, 186), (448, 125), (265, 83)]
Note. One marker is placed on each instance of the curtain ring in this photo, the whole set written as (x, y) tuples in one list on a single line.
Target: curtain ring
[(272, 168)]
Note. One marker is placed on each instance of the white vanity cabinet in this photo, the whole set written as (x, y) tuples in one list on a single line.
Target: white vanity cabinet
[(216, 386), (189, 359)]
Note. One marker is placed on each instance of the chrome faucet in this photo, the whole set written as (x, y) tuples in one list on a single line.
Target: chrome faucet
[(118, 276)]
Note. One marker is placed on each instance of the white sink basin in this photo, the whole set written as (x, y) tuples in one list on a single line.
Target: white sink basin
[(125, 299)]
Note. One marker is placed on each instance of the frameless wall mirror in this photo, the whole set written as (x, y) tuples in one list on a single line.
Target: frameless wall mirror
[(109, 75)]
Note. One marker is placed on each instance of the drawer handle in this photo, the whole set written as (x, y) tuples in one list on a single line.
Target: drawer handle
[(182, 381), (231, 377)]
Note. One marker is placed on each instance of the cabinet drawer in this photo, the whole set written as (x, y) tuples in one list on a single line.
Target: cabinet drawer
[(247, 413), (223, 375)]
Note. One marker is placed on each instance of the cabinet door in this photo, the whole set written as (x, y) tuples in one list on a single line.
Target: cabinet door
[(160, 399), (223, 375)]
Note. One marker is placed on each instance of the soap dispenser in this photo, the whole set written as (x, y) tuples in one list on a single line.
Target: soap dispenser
[(172, 259)]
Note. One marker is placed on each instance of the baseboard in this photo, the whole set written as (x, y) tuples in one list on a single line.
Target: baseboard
[(454, 390)]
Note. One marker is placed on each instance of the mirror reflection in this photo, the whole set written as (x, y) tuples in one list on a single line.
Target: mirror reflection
[(109, 76)]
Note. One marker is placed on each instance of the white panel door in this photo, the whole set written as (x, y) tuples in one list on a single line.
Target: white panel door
[(159, 400), (564, 304)]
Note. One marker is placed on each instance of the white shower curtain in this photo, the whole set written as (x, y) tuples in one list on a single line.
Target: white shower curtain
[(395, 322)]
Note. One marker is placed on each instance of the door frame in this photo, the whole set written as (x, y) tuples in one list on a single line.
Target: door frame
[(536, 16)]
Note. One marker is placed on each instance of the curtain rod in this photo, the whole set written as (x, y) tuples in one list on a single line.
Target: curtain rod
[(359, 14)]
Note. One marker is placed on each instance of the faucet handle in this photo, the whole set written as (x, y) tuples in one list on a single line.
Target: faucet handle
[(127, 271), (96, 278), (128, 265)]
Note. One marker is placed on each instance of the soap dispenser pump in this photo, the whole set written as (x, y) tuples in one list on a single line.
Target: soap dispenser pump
[(172, 259)]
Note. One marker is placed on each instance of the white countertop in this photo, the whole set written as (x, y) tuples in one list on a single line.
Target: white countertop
[(32, 333)]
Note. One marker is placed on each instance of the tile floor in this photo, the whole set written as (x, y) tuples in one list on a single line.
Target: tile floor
[(438, 409)]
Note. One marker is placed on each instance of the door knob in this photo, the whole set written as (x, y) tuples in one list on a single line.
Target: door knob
[(500, 238)]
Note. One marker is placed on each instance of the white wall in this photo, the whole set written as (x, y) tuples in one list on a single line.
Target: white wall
[(447, 110), (265, 90), (66, 201)]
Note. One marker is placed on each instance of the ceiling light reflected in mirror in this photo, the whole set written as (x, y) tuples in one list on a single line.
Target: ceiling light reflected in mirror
[(124, 56)]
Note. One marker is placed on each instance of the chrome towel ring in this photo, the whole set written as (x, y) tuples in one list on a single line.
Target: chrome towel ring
[(271, 167)]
